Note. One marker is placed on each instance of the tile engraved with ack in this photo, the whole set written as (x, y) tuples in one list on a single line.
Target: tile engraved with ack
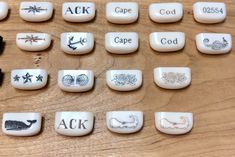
[(124, 79), (81, 80), (31, 39), (34, 9), (172, 78), (216, 45), (116, 123), (168, 124), (18, 125)]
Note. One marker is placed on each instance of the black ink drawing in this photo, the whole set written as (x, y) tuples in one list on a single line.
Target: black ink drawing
[(34, 9), (182, 124), (39, 78), (172, 78), (31, 39), (124, 79), (81, 80), (132, 124), (71, 44), (18, 125), (216, 45), (16, 78), (27, 78)]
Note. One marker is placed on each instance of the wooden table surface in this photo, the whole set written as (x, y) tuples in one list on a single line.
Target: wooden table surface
[(211, 96)]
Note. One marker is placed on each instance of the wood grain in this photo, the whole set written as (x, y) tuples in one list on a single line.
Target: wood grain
[(211, 96)]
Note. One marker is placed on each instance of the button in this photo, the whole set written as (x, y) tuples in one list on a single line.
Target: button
[(21, 124), (209, 12), (76, 80), (124, 80), (124, 122), (78, 11), (166, 12), (174, 123), (74, 123), (172, 77), (33, 41), (77, 42), (214, 43), (28, 79), (36, 11), (121, 42), (3, 10), (167, 41), (122, 12)]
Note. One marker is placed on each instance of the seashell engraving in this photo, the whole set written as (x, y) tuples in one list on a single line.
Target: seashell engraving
[(82, 80), (68, 80)]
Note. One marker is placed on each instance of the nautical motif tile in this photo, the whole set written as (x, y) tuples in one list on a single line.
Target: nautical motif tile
[(167, 41), (121, 42), (122, 12), (214, 43), (209, 12), (78, 11), (124, 80), (36, 11), (21, 124), (174, 123), (3, 10), (33, 41), (124, 122), (74, 123), (166, 12), (77, 42), (172, 77), (76, 80), (28, 79)]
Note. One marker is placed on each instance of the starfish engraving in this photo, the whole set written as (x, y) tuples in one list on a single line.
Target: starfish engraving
[(31, 38), (39, 78), (27, 78), (34, 9), (16, 78)]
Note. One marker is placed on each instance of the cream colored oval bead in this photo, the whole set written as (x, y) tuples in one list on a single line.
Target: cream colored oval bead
[(124, 80), (174, 123), (78, 11), (21, 124), (214, 43), (122, 12), (74, 123), (33, 41), (36, 11), (4, 8), (166, 12), (121, 42), (209, 12), (167, 41), (124, 122), (75, 80), (172, 77), (29, 79)]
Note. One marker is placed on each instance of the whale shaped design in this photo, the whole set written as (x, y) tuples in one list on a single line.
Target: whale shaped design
[(18, 125)]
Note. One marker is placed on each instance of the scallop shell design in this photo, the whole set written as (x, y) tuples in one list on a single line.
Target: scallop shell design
[(82, 80), (68, 80)]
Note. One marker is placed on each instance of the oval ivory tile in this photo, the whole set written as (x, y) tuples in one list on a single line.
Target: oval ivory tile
[(33, 41), (174, 123), (121, 42), (3, 10), (122, 12), (36, 11), (167, 41), (21, 124), (78, 11), (172, 77), (28, 79), (124, 80), (214, 43), (166, 12), (124, 122), (209, 12), (77, 42), (75, 80), (74, 123)]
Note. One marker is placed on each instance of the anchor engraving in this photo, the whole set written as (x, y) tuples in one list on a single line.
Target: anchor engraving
[(81, 41)]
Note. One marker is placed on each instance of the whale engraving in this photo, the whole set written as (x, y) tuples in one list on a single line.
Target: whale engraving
[(18, 125)]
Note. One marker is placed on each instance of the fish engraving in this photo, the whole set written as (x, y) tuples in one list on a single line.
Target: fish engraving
[(18, 125)]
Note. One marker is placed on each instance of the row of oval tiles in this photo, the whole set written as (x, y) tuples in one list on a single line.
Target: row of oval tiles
[(119, 12), (83, 80), (82, 123), (126, 42)]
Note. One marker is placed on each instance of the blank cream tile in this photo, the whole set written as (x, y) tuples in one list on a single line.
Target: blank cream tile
[(3, 10)]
